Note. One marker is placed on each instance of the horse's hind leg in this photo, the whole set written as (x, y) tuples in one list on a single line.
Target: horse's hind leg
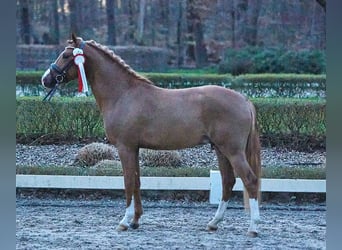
[(250, 181), (228, 181)]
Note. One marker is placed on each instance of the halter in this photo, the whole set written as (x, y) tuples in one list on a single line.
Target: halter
[(61, 73)]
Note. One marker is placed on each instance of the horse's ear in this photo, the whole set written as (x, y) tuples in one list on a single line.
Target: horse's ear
[(74, 37)]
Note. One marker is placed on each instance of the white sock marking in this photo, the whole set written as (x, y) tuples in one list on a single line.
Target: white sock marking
[(128, 214), (254, 207), (219, 213), (255, 215)]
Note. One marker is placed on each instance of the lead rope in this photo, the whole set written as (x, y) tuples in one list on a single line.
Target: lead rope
[(51, 92)]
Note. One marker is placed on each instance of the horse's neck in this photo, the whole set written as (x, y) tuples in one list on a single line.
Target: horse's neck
[(107, 78)]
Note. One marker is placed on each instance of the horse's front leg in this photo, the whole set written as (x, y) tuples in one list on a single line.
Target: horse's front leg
[(130, 164), (137, 199)]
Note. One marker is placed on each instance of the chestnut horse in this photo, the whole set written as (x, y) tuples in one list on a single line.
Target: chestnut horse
[(138, 114)]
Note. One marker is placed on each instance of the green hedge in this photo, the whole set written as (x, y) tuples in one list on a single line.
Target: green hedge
[(62, 117), (286, 85), (295, 123), (161, 79)]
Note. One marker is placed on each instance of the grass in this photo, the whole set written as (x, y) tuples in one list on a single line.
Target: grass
[(108, 170)]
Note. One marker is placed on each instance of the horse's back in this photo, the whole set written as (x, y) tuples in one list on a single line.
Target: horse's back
[(226, 102), (209, 104)]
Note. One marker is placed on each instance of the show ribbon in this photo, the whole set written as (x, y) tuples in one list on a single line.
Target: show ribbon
[(79, 61)]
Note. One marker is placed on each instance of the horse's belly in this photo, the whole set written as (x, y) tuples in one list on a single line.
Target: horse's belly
[(173, 139)]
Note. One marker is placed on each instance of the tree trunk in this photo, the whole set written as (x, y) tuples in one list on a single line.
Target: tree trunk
[(131, 27), (251, 32), (200, 49), (232, 16), (180, 42), (111, 31), (55, 23), (74, 17), (196, 46), (25, 21), (240, 22), (140, 25)]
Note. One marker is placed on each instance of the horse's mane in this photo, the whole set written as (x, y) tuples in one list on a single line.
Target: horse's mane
[(118, 60)]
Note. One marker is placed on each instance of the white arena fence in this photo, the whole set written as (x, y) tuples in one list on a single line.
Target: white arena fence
[(212, 183)]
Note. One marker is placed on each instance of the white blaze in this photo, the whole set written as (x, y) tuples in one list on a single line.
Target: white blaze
[(44, 75)]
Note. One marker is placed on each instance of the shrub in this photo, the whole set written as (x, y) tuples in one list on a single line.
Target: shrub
[(61, 117), (106, 168), (160, 158), (267, 61), (237, 62), (93, 153), (296, 123), (272, 60)]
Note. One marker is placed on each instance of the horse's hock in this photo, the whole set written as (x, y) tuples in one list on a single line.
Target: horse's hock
[(141, 58)]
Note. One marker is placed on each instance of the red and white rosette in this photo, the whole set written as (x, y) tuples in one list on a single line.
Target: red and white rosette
[(79, 61)]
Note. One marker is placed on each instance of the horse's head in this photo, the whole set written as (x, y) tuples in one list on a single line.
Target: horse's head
[(63, 70)]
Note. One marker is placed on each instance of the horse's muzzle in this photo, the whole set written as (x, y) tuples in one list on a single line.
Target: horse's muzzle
[(47, 80)]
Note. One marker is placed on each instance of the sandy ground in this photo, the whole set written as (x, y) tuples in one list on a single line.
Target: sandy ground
[(45, 223)]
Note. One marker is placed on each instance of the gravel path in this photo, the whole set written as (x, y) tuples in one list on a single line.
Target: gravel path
[(201, 156), (90, 224), (56, 223)]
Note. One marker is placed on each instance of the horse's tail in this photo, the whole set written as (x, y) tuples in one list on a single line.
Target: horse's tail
[(253, 151)]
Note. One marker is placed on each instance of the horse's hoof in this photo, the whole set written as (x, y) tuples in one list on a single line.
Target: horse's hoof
[(252, 234), (211, 227), (121, 227), (134, 225)]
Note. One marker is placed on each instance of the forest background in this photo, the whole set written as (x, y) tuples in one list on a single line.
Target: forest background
[(196, 33)]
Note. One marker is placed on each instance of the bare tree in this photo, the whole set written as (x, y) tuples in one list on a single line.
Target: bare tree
[(74, 7), (55, 22), (232, 17), (131, 24), (140, 24), (192, 30), (111, 31), (241, 7), (25, 21), (180, 36), (251, 31), (196, 46)]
